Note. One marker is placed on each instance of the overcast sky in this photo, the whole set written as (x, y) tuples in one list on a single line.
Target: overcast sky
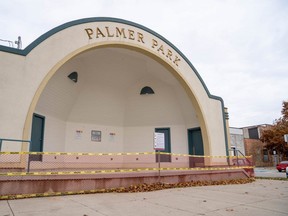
[(239, 47)]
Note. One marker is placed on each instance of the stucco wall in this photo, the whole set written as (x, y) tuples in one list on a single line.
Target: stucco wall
[(26, 77), (14, 105), (107, 98)]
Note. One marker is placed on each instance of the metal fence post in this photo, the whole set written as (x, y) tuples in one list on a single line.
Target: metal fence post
[(159, 166), (15, 140)]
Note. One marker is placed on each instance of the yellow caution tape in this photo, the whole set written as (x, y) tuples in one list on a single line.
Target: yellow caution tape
[(123, 153), (117, 171)]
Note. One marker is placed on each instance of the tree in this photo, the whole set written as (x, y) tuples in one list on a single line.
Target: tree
[(273, 136)]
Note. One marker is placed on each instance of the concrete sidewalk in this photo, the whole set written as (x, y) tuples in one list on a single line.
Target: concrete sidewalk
[(263, 197)]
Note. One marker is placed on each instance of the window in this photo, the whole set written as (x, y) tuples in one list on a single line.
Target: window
[(146, 90), (253, 133), (265, 155)]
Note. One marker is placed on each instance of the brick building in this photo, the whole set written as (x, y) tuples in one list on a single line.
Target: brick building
[(247, 141), (256, 148)]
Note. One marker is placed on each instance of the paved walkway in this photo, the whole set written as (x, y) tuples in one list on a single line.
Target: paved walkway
[(263, 197)]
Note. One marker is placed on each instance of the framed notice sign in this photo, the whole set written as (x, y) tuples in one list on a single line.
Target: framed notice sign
[(159, 141), (96, 136)]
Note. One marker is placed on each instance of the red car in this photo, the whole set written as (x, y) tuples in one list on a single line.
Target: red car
[(282, 166)]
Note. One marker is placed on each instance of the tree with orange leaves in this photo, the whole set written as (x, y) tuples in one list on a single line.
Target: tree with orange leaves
[(273, 136)]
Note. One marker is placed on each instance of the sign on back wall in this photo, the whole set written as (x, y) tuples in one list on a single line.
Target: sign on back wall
[(159, 141)]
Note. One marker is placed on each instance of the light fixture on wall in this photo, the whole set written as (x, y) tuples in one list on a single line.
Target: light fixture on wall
[(73, 76), (146, 90)]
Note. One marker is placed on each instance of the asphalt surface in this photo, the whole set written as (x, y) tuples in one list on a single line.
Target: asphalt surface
[(269, 172), (262, 197)]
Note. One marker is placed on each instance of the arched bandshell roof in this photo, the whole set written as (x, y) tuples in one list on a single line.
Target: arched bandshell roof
[(29, 49)]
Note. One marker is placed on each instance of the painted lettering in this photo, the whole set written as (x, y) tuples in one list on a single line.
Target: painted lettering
[(131, 34), (108, 33), (161, 48), (176, 60), (169, 54), (154, 43), (89, 32), (99, 32), (120, 32), (140, 37)]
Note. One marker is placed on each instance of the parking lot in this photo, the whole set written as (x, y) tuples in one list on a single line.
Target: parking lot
[(262, 197)]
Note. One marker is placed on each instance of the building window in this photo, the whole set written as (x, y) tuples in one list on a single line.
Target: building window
[(253, 133), (265, 155), (146, 90)]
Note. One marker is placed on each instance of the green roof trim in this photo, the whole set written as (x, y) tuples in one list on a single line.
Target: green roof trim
[(57, 29)]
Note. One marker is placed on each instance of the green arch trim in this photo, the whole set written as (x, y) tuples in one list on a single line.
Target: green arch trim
[(53, 31)]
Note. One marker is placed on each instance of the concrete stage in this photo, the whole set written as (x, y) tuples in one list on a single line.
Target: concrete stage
[(70, 184)]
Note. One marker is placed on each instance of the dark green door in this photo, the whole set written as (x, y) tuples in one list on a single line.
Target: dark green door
[(166, 132), (195, 145), (195, 142), (37, 136)]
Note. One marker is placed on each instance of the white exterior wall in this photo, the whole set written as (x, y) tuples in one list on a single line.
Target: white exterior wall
[(24, 78), (110, 102), (12, 79), (83, 143), (102, 108), (54, 134)]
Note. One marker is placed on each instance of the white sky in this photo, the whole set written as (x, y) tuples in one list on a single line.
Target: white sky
[(239, 47)]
